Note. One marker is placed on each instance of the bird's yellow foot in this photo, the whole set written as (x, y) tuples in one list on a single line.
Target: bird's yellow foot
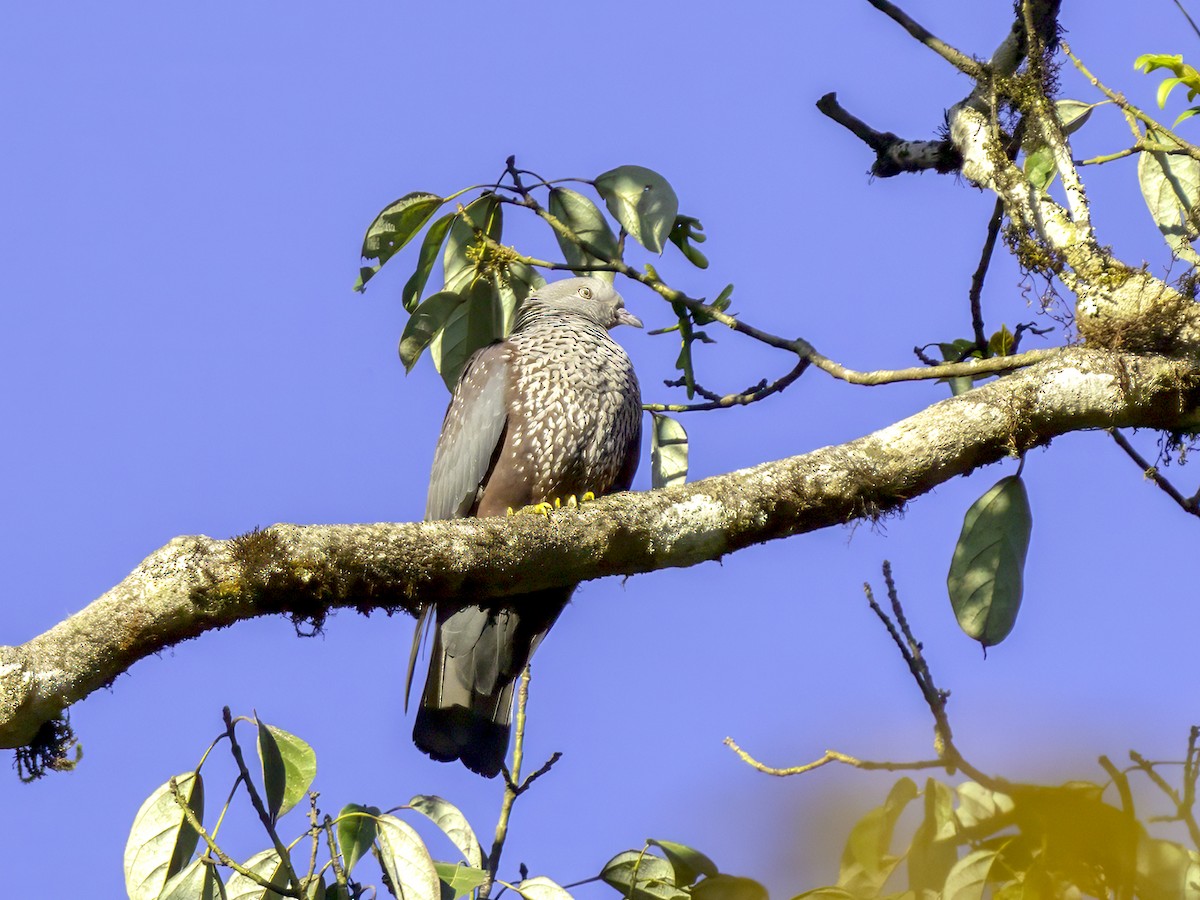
[(548, 506)]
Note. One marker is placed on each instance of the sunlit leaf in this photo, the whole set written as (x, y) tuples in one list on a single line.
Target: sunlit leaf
[(406, 861), (542, 888), (641, 876), (394, 227), (423, 325), (266, 865), (161, 841), (685, 234), (867, 861), (687, 862), (969, 877), (1002, 342), (977, 804), (932, 852), (1039, 159), (827, 893), (460, 879), (1171, 188), (415, 286), (1167, 871), (197, 881), (583, 217), (449, 818), (986, 577), (728, 887), (668, 452), (356, 829), (642, 201)]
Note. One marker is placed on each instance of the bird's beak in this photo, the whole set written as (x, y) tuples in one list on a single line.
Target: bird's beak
[(625, 317)]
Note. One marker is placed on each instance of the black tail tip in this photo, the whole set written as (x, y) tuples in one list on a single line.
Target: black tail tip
[(456, 732)]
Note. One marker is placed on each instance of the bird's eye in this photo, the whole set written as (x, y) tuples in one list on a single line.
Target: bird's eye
[(585, 293)]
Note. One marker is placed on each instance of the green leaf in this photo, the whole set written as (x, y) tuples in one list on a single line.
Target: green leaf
[(1148, 62), (969, 877), (641, 876), (668, 453), (1171, 188), (986, 575), (394, 227), (642, 201), (465, 244), (512, 287), (867, 861), (686, 231), (274, 776), (299, 767), (1167, 871), (425, 323), (1002, 342), (469, 326), (1039, 167), (722, 303), (356, 829), (266, 865), (198, 881), (406, 861), (1073, 114), (729, 887), (582, 216), (161, 841), (826, 893), (460, 879), (453, 823), (932, 853), (415, 286), (977, 804), (688, 864), (541, 888)]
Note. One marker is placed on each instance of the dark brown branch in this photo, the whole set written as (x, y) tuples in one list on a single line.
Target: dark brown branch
[(985, 260), (894, 155), (1187, 504)]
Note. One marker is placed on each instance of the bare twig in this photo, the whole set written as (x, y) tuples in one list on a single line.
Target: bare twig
[(832, 756), (1187, 504), (513, 786), (956, 58), (753, 395), (985, 260), (1190, 21)]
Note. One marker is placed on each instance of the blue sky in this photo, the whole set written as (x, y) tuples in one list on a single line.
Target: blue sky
[(184, 194)]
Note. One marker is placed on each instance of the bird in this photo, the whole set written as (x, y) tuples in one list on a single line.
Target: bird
[(551, 412)]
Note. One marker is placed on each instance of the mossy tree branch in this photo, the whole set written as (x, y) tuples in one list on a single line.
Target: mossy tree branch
[(197, 584)]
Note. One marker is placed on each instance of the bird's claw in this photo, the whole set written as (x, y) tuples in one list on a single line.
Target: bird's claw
[(548, 506)]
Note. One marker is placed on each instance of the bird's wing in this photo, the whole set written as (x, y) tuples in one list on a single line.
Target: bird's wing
[(472, 432)]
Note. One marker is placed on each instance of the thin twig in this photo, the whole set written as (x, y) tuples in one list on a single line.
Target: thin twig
[(985, 260), (513, 786), (256, 801), (1187, 504), (955, 57), (1125, 887), (1130, 110), (832, 756), (221, 854), (727, 401), (1189, 18)]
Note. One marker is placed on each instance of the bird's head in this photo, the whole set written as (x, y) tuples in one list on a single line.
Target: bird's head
[(589, 298)]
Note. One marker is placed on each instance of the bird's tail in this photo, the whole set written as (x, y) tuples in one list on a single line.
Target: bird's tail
[(477, 655)]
